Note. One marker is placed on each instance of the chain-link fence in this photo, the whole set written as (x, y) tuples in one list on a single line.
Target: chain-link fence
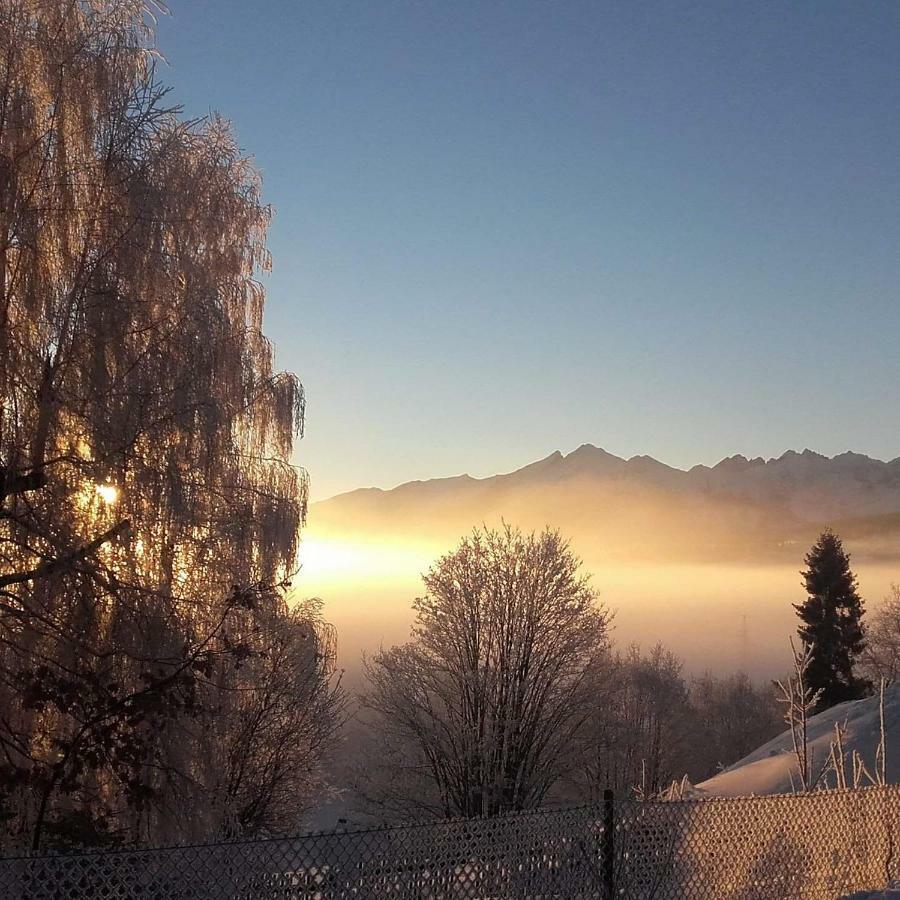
[(819, 845)]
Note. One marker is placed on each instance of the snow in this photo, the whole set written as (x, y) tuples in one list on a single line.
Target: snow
[(768, 770), (874, 895)]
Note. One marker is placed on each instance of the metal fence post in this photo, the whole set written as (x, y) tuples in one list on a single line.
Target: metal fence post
[(608, 846)]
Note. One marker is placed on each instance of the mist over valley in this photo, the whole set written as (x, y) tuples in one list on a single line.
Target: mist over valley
[(706, 561)]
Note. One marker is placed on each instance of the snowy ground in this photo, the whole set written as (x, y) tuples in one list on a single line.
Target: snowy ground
[(889, 894), (768, 770)]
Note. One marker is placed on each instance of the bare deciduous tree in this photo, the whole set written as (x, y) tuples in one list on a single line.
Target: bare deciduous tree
[(731, 718), (482, 705), (638, 731), (881, 657), (277, 717)]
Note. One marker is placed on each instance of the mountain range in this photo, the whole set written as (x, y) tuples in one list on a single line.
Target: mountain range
[(641, 507)]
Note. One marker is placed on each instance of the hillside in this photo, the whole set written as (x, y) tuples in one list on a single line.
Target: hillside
[(768, 770)]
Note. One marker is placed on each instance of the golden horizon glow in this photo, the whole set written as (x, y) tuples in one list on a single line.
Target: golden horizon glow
[(335, 559), (368, 582)]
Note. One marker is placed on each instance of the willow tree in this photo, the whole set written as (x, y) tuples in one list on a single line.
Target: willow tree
[(145, 434), (480, 709)]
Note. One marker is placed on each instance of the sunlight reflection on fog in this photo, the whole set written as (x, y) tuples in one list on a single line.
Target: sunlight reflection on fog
[(697, 610)]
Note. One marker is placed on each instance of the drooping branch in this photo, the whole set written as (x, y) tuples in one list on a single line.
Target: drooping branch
[(62, 563), (15, 483)]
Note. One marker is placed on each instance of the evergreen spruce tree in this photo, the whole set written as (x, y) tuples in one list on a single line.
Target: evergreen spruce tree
[(831, 619)]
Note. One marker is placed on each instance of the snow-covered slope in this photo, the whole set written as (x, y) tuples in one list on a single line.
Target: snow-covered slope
[(768, 770)]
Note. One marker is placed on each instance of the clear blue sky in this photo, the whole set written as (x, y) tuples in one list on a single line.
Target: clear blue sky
[(504, 228)]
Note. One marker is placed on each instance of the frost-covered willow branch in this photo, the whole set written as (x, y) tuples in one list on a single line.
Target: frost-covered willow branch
[(53, 566)]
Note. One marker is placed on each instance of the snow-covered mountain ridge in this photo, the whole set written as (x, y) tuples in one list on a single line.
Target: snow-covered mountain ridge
[(809, 485)]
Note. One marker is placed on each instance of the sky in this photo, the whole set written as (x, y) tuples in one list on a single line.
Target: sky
[(507, 228)]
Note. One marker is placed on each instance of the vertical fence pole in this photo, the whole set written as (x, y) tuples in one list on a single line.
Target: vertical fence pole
[(608, 846)]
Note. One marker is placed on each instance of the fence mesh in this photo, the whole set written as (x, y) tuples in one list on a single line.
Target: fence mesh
[(819, 845)]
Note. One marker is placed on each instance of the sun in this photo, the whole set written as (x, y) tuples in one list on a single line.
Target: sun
[(108, 493)]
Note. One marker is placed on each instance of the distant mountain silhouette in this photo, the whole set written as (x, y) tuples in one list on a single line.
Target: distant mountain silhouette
[(640, 506)]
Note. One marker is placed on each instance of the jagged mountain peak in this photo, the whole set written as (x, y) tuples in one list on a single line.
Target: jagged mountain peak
[(590, 450), (806, 454), (736, 463)]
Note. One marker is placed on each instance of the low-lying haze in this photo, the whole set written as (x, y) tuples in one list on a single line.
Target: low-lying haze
[(706, 560)]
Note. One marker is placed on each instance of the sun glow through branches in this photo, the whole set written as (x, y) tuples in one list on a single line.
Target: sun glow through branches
[(108, 493)]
